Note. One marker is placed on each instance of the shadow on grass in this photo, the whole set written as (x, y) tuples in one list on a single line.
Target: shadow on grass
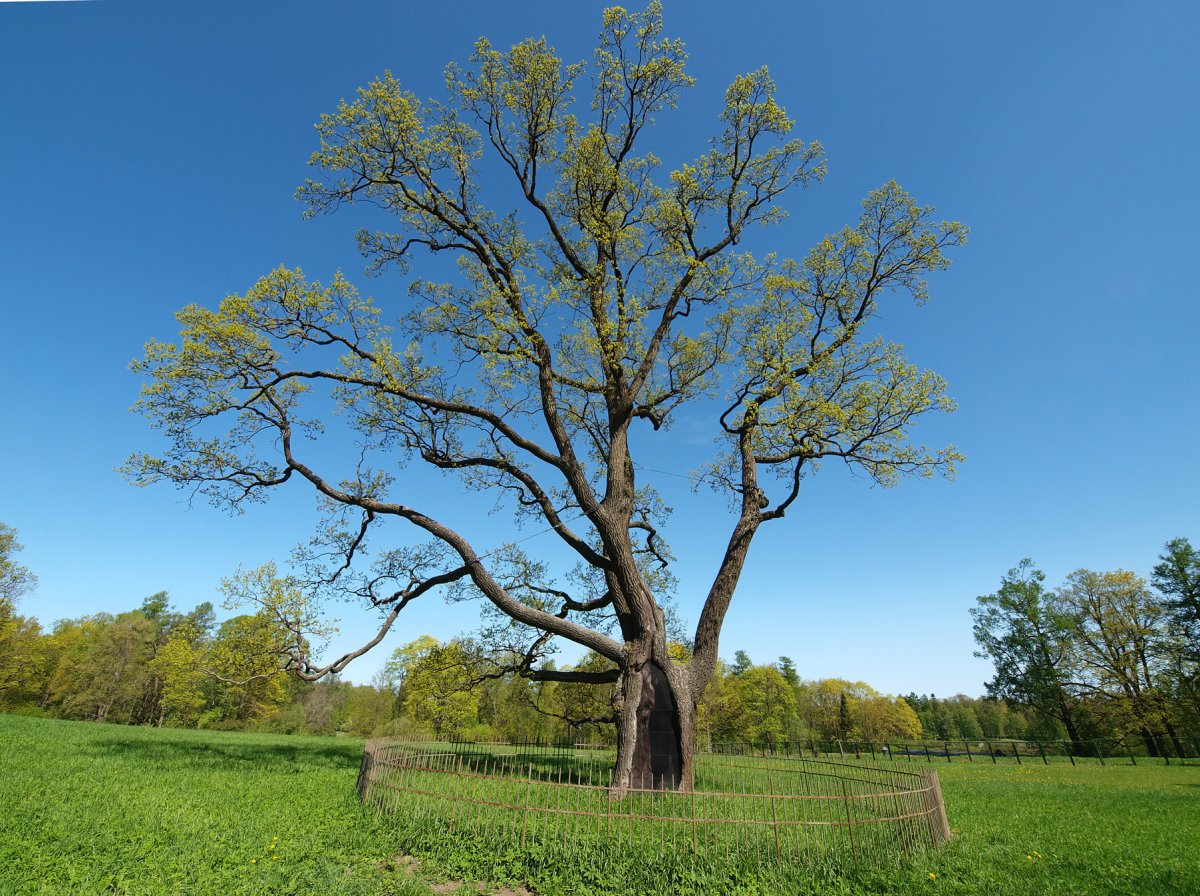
[(194, 751)]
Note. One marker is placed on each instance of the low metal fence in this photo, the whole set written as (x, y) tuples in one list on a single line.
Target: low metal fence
[(744, 810)]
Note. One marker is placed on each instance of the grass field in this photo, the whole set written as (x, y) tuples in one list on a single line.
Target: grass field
[(92, 809)]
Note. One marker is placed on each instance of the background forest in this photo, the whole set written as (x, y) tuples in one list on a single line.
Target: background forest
[(1104, 656)]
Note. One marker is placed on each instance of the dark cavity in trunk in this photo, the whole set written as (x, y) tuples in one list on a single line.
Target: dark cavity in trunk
[(657, 760)]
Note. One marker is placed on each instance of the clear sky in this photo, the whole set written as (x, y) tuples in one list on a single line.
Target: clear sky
[(148, 156)]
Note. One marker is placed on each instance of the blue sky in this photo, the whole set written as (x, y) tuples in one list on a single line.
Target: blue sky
[(149, 153)]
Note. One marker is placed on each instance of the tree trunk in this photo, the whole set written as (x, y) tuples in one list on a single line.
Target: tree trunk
[(1068, 720), (655, 731)]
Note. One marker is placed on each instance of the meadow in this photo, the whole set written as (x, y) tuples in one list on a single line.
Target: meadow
[(96, 809)]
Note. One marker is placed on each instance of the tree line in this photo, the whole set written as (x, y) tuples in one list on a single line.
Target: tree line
[(1106, 655), (156, 665)]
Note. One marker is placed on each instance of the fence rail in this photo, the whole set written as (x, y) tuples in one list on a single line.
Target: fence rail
[(1183, 750), (744, 810)]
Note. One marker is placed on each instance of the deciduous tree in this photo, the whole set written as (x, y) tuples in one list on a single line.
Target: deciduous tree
[(1118, 632), (583, 317), (1029, 638), (15, 580)]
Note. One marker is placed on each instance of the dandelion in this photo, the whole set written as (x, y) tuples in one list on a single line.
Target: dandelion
[(932, 876), (254, 861)]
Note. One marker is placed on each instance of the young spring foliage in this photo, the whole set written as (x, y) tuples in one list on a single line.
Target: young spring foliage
[(610, 296)]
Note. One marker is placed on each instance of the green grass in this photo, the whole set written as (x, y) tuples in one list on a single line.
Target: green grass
[(1057, 829), (104, 809), (92, 809)]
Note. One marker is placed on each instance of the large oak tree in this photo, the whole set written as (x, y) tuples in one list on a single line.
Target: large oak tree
[(604, 299)]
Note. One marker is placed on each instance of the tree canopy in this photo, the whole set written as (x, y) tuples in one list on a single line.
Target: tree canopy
[(15, 580), (605, 298)]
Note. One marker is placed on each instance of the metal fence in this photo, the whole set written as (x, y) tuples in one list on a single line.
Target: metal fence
[(745, 811), (1163, 750)]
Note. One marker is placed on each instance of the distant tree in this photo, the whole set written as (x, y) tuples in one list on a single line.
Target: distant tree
[(22, 659), (326, 705), (404, 659), (1029, 638), (113, 674), (741, 663), (516, 709), (963, 721), (368, 709), (880, 718), (20, 646), (720, 707), (15, 579), (576, 328), (438, 688), (245, 659), (787, 669), (586, 708), (1177, 578), (995, 718), (767, 707), (836, 709), (180, 667), (1117, 628)]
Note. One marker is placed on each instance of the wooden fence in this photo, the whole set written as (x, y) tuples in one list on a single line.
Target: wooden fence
[(760, 811)]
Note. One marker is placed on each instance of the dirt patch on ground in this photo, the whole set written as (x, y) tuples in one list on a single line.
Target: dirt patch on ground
[(410, 865)]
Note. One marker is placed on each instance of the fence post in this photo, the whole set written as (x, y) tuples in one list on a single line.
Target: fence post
[(991, 752), (366, 770), (1099, 755), (525, 809), (849, 823), (928, 758), (1070, 747), (695, 849), (774, 819), (1042, 750), (946, 744), (967, 747), (1128, 749)]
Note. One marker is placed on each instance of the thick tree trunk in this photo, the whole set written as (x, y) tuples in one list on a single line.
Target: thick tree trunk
[(655, 732)]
